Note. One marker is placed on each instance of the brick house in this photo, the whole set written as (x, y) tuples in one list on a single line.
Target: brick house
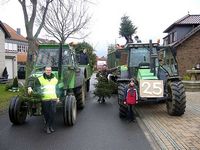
[(184, 36), (3, 34)]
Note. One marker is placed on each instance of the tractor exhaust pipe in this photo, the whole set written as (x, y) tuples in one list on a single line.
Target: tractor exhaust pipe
[(60, 62)]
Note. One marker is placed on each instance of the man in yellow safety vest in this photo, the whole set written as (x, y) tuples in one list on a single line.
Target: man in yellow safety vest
[(49, 97)]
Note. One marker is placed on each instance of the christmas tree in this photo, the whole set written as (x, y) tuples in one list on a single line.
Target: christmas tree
[(104, 87)]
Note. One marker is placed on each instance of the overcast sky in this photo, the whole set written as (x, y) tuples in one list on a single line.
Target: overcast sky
[(151, 17)]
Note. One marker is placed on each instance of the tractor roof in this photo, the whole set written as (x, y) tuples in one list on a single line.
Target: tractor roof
[(47, 46)]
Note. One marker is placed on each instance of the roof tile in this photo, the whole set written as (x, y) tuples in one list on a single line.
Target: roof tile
[(186, 20), (14, 35)]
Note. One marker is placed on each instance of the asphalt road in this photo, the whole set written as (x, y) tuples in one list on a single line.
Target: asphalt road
[(98, 127)]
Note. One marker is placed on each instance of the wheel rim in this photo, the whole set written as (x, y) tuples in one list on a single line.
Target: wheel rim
[(74, 111)]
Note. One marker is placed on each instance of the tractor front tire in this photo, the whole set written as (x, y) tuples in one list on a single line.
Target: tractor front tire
[(176, 103), (123, 109), (69, 110), (17, 111)]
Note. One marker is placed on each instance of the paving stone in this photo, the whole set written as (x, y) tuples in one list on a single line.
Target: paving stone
[(173, 132)]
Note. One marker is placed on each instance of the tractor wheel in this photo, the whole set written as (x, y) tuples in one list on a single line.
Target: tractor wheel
[(69, 110), (123, 109), (88, 85), (176, 103), (17, 111), (80, 94)]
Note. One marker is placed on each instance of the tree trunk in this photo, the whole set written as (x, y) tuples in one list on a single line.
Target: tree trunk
[(31, 56)]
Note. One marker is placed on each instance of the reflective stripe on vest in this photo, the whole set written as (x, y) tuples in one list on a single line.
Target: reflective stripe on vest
[(48, 88)]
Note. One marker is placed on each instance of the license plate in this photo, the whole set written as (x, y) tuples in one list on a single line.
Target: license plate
[(151, 88)]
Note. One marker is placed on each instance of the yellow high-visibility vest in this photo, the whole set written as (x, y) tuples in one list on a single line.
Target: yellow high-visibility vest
[(48, 88)]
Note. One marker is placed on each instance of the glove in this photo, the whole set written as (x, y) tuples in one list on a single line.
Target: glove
[(125, 102), (57, 100), (30, 90)]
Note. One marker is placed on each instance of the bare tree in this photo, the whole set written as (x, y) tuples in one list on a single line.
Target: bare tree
[(29, 8), (66, 19)]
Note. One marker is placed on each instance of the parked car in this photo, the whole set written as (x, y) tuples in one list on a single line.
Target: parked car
[(21, 72)]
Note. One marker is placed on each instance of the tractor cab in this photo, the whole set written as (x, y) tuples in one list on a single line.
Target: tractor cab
[(143, 60), (49, 55)]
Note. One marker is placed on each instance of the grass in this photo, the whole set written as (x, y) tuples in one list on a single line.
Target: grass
[(5, 97)]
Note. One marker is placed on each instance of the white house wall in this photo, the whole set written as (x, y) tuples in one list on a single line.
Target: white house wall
[(2, 51), (11, 58), (11, 64)]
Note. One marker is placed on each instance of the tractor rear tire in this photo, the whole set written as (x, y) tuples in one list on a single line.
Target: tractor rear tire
[(176, 103), (123, 109), (17, 111), (69, 110), (80, 94)]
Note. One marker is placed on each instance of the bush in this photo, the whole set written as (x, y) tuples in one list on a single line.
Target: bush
[(12, 86), (186, 77), (15, 82), (8, 86)]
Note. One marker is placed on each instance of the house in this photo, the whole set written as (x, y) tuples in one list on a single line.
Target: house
[(16, 48), (184, 36), (100, 62), (3, 34)]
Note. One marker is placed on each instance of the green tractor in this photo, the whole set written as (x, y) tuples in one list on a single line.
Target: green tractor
[(72, 85), (155, 72)]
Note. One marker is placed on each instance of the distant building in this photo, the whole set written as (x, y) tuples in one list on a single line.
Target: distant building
[(100, 62), (184, 36), (45, 41), (117, 57)]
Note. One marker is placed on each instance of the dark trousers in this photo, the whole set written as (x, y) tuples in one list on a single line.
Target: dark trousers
[(131, 115), (49, 110)]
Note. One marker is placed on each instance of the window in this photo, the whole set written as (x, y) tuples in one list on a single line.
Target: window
[(22, 48), (174, 36)]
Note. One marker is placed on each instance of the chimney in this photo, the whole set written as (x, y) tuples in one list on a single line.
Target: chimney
[(18, 31)]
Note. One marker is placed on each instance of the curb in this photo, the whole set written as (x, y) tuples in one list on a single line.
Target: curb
[(147, 133)]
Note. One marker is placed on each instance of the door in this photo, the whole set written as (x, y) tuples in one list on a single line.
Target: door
[(9, 64)]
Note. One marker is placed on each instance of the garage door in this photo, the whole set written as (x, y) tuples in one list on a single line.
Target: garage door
[(9, 65)]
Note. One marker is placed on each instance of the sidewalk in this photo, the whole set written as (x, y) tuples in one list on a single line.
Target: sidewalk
[(171, 132)]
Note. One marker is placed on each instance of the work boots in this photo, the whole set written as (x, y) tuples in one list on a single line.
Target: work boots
[(47, 130)]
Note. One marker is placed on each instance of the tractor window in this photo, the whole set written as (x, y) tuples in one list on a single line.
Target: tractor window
[(139, 55), (67, 60), (170, 63), (50, 57), (47, 57)]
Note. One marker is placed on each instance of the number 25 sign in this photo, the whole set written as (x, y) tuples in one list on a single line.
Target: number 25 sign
[(151, 88)]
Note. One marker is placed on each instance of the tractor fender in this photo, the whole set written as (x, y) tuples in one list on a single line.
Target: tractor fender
[(174, 78), (80, 77)]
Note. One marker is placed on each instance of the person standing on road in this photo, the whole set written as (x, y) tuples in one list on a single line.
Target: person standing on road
[(104, 87), (49, 97), (131, 99)]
